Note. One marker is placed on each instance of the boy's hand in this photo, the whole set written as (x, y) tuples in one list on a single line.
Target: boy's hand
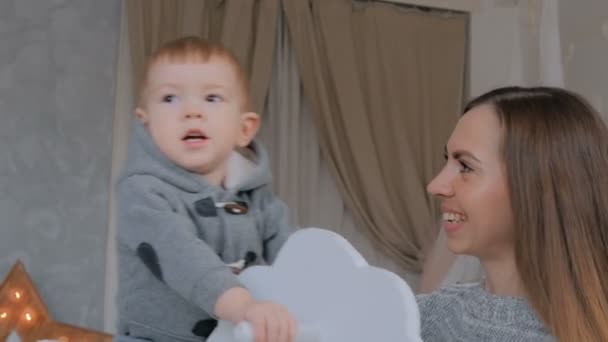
[(271, 322)]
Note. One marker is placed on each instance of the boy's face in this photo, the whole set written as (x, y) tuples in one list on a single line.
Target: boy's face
[(194, 114)]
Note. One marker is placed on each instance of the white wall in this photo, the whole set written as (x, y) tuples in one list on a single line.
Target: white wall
[(505, 46), (515, 43), (495, 50), (584, 28)]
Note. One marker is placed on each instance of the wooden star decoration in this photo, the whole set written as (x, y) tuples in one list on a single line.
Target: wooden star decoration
[(23, 311)]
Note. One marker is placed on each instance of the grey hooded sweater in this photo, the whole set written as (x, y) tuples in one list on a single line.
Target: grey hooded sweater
[(176, 234)]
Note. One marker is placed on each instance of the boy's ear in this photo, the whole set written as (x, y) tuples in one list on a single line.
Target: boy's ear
[(250, 123), (141, 115)]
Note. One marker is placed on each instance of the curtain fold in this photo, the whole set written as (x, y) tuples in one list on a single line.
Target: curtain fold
[(123, 114), (386, 87), (301, 177)]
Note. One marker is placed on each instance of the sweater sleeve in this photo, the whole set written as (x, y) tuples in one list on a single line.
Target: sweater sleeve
[(277, 228), (429, 318), (167, 243)]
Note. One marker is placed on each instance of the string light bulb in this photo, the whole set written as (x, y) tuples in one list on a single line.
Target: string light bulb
[(28, 317), (3, 315), (17, 295)]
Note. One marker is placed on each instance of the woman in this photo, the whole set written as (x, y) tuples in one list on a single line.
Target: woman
[(525, 190), (442, 267)]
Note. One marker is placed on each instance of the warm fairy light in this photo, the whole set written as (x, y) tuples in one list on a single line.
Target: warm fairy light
[(3, 315), (17, 294), (28, 316)]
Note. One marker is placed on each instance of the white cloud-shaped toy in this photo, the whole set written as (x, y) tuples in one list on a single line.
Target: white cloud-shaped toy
[(332, 292)]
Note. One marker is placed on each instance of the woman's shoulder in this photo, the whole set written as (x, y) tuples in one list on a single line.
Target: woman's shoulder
[(470, 309), (474, 298), (449, 294)]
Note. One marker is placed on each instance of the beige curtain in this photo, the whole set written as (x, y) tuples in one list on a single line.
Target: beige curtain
[(124, 100), (247, 27), (386, 86), (300, 175), (123, 114)]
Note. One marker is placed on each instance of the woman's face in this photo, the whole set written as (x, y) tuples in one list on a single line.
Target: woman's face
[(472, 186)]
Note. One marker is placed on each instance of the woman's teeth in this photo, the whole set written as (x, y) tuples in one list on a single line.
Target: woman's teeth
[(453, 217)]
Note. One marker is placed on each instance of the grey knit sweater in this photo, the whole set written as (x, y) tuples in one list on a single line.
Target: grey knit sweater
[(469, 313)]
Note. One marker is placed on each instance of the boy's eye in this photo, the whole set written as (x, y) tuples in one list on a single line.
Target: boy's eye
[(169, 98), (213, 98)]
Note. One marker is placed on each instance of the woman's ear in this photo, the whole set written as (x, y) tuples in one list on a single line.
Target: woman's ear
[(250, 123)]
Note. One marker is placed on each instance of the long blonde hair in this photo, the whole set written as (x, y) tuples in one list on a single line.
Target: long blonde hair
[(556, 156)]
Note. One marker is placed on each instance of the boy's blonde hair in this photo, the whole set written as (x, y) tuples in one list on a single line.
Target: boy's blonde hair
[(193, 49)]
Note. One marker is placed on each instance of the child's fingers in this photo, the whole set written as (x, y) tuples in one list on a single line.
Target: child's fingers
[(286, 327), (259, 328), (277, 329), (283, 326), (292, 331), (272, 323), (277, 324)]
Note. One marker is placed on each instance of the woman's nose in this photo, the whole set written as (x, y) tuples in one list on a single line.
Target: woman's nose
[(440, 185)]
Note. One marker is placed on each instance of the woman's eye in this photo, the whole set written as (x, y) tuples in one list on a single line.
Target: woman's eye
[(213, 98), (464, 168), (169, 98)]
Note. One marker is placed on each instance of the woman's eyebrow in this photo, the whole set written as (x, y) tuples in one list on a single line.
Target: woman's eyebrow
[(461, 153)]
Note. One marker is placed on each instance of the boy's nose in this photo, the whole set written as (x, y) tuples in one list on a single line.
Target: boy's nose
[(193, 115)]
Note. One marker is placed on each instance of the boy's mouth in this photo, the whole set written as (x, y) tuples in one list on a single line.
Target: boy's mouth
[(193, 135)]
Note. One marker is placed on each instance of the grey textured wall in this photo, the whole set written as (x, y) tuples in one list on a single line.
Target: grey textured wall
[(57, 67)]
